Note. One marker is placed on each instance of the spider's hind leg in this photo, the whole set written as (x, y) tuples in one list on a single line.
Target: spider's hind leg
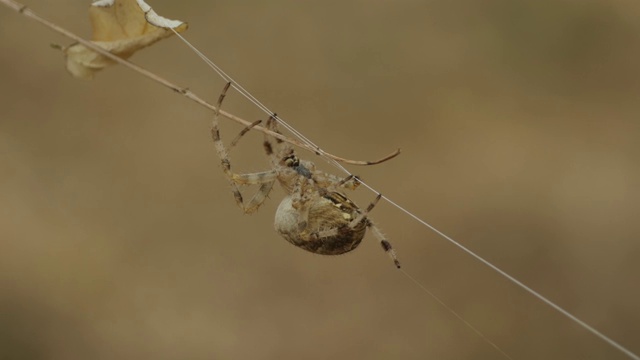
[(363, 214), (386, 245)]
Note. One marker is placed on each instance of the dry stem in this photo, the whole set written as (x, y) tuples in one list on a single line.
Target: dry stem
[(24, 10)]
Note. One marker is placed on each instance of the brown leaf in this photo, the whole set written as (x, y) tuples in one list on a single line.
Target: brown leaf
[(121, 27)]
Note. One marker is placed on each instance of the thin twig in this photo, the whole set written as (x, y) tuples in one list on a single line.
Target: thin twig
[(26, 11)]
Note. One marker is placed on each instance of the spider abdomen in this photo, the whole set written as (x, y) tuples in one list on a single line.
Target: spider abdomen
[(327, 230)]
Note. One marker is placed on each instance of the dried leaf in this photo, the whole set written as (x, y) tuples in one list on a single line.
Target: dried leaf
[(121, 27)]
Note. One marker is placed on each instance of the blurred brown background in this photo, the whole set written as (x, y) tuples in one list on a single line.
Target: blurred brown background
[(519, 126)]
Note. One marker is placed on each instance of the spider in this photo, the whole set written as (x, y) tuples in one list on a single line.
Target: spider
[(314, 215)]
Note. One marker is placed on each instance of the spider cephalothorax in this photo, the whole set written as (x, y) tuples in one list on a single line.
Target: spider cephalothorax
[(314, 215)]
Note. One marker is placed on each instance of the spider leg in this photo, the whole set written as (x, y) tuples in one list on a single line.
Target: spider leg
[(221, 150), (268, 146), (300, 200), (266, 179), (258, 178), (386, 245), (363, 216), (350, 182), (272, 124), (330, 181), (242, 132), (277, 153)]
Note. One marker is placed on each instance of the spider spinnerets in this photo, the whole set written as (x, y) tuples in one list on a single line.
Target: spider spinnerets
[(314, 215)]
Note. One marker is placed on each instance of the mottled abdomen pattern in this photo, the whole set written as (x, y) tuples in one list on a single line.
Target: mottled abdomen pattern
[(327, 231)]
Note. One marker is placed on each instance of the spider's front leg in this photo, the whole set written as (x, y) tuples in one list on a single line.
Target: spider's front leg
[(264, 179)]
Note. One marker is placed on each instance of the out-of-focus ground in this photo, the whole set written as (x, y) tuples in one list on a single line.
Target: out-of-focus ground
[(519, 126)]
